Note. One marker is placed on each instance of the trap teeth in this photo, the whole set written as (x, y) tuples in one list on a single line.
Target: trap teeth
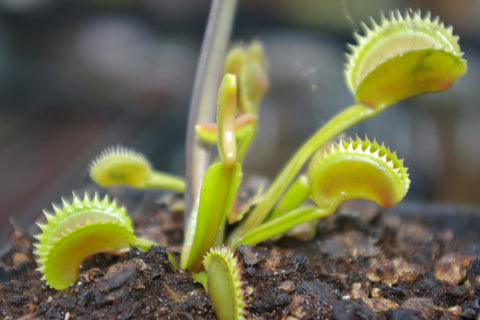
[(357, 169), (120, 165), (378, 66)]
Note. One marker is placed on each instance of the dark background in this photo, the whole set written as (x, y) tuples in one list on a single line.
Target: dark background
[(78, 76)]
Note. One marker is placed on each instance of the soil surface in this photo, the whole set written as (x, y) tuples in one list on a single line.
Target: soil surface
[(364, 263)]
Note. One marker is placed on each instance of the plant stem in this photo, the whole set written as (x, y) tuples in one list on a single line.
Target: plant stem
[(280, 225), (339, 123), (203, 101), (298, 193), (165, 180)]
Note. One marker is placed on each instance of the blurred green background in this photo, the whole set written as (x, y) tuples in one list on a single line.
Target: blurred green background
[(78, 76)]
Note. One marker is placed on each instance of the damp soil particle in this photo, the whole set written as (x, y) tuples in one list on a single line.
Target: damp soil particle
[(364, 263)]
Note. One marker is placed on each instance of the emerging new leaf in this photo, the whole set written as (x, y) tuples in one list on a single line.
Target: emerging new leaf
[(401, 57), (358, 169), (227, 99), (244, 123), (249, 64), (78, 230), (224, 284)]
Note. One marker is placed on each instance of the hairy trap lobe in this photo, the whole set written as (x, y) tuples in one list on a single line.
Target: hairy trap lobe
[(119, 165), (78, 230), (401, 57), (358, 169), (224, 283)]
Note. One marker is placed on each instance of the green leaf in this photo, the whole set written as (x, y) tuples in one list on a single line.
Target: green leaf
[(201, 277), (219, 188)]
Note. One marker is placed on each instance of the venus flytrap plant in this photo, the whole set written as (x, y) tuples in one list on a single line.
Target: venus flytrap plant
[(355, 169), (396, 59)]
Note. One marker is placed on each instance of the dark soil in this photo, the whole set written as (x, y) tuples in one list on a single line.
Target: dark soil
[(364, 263)]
